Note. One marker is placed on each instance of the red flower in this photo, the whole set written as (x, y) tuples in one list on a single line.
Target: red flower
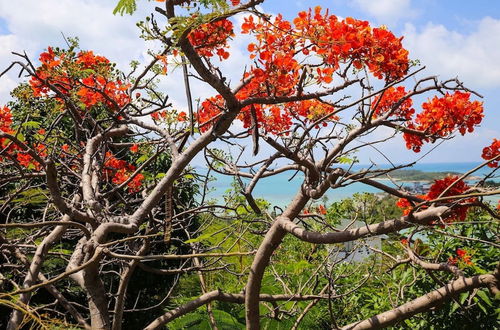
[(211, 38), (24, 159), (441, 116), (461, 253), (155, 115), (181, 116), (135, 184), (388, 103), (491, 152), (463, 256), (120, 171), (134, 148), (459, 188)]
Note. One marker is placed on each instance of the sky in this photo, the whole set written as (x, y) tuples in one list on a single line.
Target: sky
[(451, 38)]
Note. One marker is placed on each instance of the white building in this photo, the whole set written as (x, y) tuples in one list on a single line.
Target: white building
[(354, 251)]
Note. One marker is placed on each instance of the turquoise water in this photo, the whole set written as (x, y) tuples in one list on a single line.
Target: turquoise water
[(280, 189)]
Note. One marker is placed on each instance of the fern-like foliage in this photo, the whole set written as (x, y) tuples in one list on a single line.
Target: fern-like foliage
[(130, 6), (125, 7)]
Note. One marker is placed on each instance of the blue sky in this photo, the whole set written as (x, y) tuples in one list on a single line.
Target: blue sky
[(451, 38)]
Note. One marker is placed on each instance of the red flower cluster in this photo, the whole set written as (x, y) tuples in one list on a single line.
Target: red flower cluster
[(491, 152), (351, 41), (6, 127), (157, 115), (388, 101), (273, 119), (97, 90), (459, 187), (13, 150), (134, 148), (209, 109), (276, 71), (441, 116), (406, 205), (181, 116), (320, 209), (462, 255), (120, 171), (211, 38), (87, 77), (90, 61)]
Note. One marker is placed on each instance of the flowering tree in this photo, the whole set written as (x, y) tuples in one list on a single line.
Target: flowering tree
[(97, 162)]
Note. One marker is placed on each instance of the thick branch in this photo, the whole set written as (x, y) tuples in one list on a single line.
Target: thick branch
[(236, 298), (423, 303), (389, 226)]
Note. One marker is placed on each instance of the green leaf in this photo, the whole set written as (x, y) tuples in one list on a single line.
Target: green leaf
[(32, 196), (226, 321), (31, 124), (463, 296), (345, 160), (481, 306), (142, 159), (125, 6), (454, 307), (199, 238), (484, 296), (20, 137)]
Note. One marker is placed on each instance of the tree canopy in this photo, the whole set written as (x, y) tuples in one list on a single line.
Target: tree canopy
[(107, 223)]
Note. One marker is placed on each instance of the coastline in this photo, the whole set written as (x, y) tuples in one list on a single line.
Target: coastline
[(279, 190)]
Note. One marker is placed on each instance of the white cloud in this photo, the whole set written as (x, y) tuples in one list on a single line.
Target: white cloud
[(42, 22), (473, 57), (387, 11)]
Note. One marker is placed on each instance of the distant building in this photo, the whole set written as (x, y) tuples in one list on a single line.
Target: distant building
[(355, 251), (419, 187)]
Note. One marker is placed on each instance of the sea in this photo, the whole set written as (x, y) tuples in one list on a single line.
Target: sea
[(280, 189)]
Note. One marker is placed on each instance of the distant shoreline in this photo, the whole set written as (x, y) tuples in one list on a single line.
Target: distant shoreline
[(280, 190), (415, 176)]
